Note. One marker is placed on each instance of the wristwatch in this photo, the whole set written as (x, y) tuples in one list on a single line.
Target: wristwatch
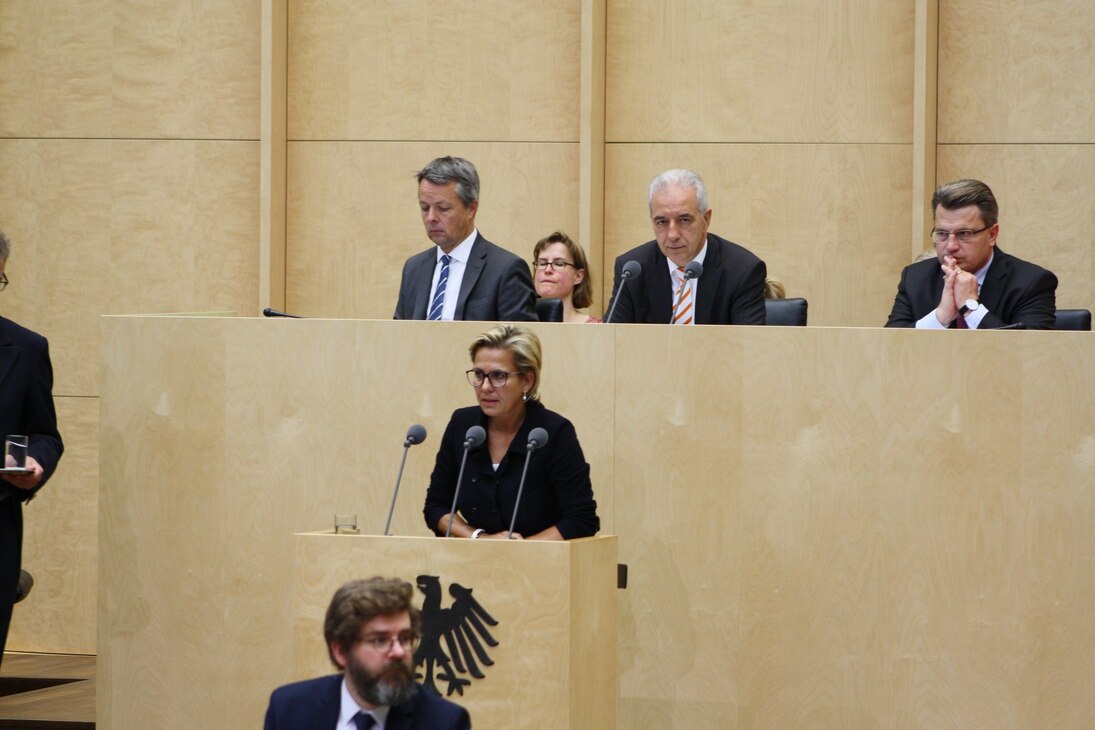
[(971, 305)]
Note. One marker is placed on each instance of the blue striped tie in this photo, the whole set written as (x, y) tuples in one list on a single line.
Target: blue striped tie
[(439, 296)]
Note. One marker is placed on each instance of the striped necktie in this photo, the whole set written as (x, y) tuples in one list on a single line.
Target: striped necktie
[(682, 309), (439, 296)]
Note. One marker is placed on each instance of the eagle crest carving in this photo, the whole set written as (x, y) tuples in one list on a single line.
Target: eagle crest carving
[(454, 639)]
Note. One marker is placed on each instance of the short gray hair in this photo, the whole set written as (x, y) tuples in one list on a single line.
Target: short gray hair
[(684, 178), (5, 247), (445, 170)]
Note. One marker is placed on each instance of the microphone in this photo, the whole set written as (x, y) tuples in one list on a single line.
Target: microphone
[(631, 270), (694, 270), (536, 440), (416, 434), (474, 437), (271, 312)]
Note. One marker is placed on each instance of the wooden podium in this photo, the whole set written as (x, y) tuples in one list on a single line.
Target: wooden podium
[(553, 603)]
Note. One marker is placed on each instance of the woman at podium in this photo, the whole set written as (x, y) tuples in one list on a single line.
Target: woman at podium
[(506, 428)]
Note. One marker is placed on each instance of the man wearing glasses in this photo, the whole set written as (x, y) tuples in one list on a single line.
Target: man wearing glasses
[(26, 409), (371, 630), (972, 284)]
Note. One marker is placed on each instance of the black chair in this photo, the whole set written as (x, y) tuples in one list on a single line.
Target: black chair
[(1073, 319), (785, 312), (549, 310)]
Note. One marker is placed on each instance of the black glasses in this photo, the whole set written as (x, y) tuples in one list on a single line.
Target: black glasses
[(557, 264), (384, 644), (498, 378), (3, 281), (964, 236)]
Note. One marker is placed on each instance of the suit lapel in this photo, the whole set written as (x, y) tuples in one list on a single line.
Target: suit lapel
[(711, 281), (8, 351), (476, 263), (423, 285), (995, 280), (661, 289)]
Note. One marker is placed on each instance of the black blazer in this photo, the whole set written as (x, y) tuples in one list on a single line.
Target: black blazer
[(731, 289), (496, 287), (1014, 291), (26, 407), (314, 704)]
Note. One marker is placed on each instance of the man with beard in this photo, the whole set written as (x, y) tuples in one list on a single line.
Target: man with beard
[(371, 630)]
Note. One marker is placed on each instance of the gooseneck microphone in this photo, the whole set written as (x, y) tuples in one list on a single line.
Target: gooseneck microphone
[(475, 436), (694, 270), (536, 439), (416, 434), (631, 270), (271, 312)]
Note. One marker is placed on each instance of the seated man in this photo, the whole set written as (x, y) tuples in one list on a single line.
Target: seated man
[(729, 291), (971, 283), (371, 631)]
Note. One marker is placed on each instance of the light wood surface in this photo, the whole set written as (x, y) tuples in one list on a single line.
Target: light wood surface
[(1046, 195), (743, 71), (1016, 72), (925, 122), (353, 215), (823, 217), (130, 69), (555, 604), (272, 154), (824, 527), (423, 71)]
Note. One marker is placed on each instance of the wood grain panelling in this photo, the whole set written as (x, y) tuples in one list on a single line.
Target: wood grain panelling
[(828, 220), (1046, 195), (60, 543), (782, 71), (125, 226), (353, 214), (421, 70), (1016, 72), (130, 68)]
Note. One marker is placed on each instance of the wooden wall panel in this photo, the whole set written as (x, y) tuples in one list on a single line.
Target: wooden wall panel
[(130, 68), (827, 219), (1016, 72), (741, 71), (125, 226), (422, 70), (60, 543), (353, 214), (1046, 195), (823, 572)]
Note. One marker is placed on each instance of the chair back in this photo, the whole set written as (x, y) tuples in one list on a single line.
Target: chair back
[(785, 312), (1073, 319), (549, 310)]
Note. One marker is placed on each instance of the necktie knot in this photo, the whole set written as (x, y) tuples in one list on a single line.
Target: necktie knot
[(364, 721)]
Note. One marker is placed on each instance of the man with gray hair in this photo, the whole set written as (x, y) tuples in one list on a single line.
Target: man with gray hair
[(464, 276), (971, 283), (26, 409), (371, 630), (688, 275)]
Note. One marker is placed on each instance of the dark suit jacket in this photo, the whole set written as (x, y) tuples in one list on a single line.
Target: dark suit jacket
[(496, 287), (314, 703), (1014, 291), (26, 407), (731, 289)]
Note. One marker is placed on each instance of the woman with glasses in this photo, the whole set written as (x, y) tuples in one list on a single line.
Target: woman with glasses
[(560, 271), (557, 500)]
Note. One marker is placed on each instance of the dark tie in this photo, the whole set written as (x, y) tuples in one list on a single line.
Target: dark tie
[(960, 323), (363, 721), (439, 296)]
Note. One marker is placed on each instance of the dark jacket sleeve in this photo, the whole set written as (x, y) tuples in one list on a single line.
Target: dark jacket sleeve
[(902, 313), (1035, 305), (624, 312), (516, 294), (568, 477), (748, 304), (443, 479)]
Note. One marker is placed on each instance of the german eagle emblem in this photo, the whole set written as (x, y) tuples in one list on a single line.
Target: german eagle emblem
[(454, 639)]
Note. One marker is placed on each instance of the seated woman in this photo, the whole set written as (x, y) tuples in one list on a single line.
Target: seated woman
[(560, 271), (557, 502)]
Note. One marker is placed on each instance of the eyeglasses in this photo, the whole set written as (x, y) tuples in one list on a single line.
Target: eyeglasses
[(384, 644), (3, 281), (498, 378), (557, 264), (964, 236)]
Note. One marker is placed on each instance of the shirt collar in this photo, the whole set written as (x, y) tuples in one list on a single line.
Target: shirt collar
[(463, 251), (699, 257)]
